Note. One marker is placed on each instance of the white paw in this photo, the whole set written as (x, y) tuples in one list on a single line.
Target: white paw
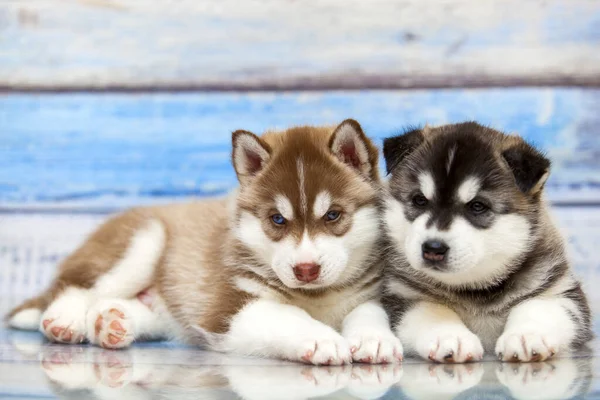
[(326, 347), (64, 320), (454, 344), (527, 344), (109, 325), (373, 381), (375, 347)]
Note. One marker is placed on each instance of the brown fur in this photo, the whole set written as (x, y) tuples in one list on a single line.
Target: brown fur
[(93, 259)]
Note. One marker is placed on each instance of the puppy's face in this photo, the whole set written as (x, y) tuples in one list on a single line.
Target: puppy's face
[(462, 201), (309, 211)]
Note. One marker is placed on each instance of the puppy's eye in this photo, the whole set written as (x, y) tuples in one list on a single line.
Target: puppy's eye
[(477, 207), (278, 219), (332, 215), (419, 200)]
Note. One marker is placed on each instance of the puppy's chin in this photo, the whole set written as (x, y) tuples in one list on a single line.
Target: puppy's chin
[(325, 280), (471, 276)]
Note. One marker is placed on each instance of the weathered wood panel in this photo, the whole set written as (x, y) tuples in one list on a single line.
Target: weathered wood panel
[(106, 151), (264, 44)]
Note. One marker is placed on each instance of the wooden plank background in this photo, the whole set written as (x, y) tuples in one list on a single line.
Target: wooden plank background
[(103, 152), (175, 45)]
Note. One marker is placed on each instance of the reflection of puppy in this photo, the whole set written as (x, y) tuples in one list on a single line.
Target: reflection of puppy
[(143, 374), (439, 381), (290, 269), (561, 378), (475, 261)]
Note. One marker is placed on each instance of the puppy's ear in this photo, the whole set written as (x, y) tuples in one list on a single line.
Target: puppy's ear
[(352, 147), (250, 155), (529, 167), (396, 148)]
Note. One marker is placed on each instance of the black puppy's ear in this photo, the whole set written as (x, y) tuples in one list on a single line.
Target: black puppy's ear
[(529, 167), (396, 148)]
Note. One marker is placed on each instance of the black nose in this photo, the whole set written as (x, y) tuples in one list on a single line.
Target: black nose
[(434, 250)]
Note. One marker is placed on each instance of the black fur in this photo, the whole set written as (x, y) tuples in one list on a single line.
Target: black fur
[(396, 148), (527, 164)]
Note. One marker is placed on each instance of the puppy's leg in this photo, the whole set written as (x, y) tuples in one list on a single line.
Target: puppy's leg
[(371, 340), (436, 332), (117, 261), (539, 328), (270, 329), (116, 323)]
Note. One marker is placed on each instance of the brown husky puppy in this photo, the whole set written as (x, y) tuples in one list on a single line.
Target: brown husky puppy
[(277, 271)]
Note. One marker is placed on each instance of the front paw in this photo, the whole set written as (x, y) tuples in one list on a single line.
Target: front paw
[(325, 348), (375, 347), (526, 344), (450, 345)]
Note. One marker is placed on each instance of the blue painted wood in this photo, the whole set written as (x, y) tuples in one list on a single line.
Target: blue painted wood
[(115, 150), (321, 44)]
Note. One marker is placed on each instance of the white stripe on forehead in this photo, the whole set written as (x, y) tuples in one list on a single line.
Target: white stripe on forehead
[(284, 206), (469, 189), (322, 204), (451, 154), (427, 185), (302, 186)]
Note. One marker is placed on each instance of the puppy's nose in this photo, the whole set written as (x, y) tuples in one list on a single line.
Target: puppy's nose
[(307, 272), (434, 250)]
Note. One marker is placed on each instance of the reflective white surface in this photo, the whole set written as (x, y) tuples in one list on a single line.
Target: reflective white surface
[(32, 368)]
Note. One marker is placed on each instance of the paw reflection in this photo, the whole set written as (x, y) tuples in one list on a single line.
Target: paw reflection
[(372, 382), (556, 379), (155, 372), (440, 381)]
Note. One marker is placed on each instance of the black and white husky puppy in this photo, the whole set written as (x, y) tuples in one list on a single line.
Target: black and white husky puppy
[(475, 262)]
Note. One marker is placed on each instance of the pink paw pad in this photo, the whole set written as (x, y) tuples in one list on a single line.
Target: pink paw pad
[(113, 329)]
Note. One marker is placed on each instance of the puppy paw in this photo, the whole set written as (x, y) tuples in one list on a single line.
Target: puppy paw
[(109, 326), (64, 321), (375, 347), (452, 345), (323, 348), (526, 344)]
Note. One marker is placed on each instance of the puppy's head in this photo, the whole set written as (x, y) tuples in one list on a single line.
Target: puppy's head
[(463, 200), (307, 203)]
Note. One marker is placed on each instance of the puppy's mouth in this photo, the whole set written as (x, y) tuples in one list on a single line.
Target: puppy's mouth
[(434, 257)]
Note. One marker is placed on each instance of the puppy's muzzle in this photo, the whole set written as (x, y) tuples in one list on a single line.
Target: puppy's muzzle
[(434, 251)]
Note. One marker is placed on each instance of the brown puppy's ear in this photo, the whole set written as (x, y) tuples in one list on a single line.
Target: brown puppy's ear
[(396, 148), (529, 167), (352, 147), (250, 155)]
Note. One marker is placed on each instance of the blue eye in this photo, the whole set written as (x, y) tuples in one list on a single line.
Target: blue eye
[(332, 215), (278, 219)]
